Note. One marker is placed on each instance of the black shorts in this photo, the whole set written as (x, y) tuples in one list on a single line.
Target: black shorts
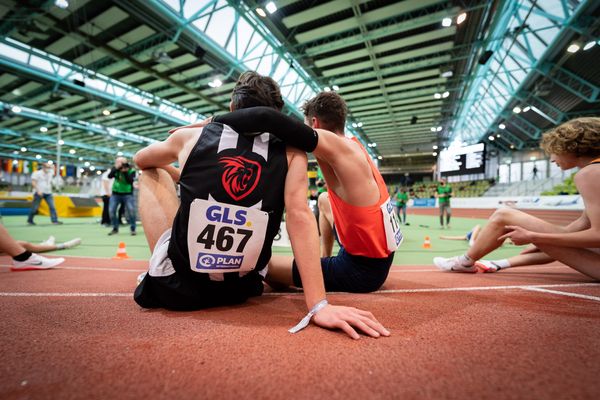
[(348, 273), (174, 292), (167, 288)]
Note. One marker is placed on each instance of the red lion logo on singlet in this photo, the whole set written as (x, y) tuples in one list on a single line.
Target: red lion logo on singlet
[(240, 176)]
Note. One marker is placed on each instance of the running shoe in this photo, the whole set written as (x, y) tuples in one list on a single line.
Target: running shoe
[(36, 262), (486, 266), (453, 264), (72, 243), (51, 241)]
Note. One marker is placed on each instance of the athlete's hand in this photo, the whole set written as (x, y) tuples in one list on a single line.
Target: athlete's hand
[(518, 235), (200, 124), (348, 319), (530, 249)]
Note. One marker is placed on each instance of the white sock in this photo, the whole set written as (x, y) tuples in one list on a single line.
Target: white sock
[(465, 260), (501, 263)]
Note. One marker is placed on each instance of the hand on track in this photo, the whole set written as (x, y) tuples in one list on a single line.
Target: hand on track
[(348, 319)]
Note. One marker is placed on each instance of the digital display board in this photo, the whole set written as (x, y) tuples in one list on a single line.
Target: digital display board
[(463, 160)]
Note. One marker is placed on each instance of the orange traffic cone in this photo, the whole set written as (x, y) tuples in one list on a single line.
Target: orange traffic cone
[(121, 252), (427, 243)]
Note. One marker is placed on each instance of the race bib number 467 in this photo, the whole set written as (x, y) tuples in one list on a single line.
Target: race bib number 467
[(224, 237)]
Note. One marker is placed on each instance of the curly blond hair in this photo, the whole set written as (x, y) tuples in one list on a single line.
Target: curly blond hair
[(580, 137)]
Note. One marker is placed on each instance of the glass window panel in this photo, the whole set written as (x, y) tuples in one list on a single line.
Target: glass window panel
[(515, 172), (220, 25), (174, 4), (504, 173), (192, 6)]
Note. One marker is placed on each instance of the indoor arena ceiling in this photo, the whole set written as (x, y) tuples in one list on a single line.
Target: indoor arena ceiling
[(113, 76)]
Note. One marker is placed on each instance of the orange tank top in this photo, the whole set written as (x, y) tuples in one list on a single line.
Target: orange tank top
[(596, 161), (360, 228)]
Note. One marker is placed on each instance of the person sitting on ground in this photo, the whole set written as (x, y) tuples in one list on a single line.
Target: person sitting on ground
[(470, 237), (213, 248), (357, 203), (575, 143), (23, 258)]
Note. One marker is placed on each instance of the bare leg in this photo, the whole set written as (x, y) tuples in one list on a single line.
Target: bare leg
[(583, 260), (488, 238), (325, 225), (37, 248), (445, 237), (530, 259), (476, 232), (9, 245), (279, 276), (158, 203)]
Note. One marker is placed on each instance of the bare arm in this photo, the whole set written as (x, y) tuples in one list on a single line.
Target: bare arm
[(160, 154), (302, 230)]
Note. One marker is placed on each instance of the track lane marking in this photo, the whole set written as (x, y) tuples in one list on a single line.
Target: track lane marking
[(568, 294), (389, 291), (74, 267)]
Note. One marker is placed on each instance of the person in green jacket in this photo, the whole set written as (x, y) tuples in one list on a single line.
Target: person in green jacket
[(443, 194), (401, 202), (122, 193)]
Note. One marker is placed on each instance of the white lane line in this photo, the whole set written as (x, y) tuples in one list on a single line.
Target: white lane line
[(579, 296), (424, 290), (92, 268), (452, 289)]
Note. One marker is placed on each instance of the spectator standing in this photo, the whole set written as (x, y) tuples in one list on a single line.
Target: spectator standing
[(535, 171), (122, 193), (401, 202), (41, 182), (443, 193)]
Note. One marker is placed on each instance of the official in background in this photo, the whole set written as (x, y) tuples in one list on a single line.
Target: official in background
[(41, 182), (122, 193)]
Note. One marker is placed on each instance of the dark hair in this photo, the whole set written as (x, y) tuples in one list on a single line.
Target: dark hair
[(253, 89), (329, 108)]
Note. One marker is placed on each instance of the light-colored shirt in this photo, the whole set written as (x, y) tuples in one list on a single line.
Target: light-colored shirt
[(43, 181), (106, 184)]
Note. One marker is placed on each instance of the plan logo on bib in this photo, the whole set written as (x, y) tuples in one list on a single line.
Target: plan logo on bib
[(240, 176)]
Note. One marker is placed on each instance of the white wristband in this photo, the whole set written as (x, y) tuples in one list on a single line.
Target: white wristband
[(305, 321)]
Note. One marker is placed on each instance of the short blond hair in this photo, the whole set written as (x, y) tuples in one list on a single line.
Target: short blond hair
[(580, 137)]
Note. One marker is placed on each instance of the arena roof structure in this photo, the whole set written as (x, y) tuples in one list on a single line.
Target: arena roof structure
[(101, 78)]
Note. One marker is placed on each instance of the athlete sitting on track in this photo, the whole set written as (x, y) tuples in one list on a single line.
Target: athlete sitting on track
[(21, 253), (573, 144), (365, 221), (470, 237), (213, 248)]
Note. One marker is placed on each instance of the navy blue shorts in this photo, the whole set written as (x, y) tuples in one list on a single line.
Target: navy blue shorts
[(348, 273)]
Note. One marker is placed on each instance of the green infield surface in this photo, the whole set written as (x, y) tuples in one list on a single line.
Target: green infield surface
[(97, 243)]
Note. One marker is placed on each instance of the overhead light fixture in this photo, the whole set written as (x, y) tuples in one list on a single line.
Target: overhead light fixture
[(23, 149), (526, 109), (15, 152), (61, 142), (61, 4), (447, 74), (120, 144), (434, 154), (532, 158), (589, 45), (161, 56), (491, 138), (462, 17), (437, 96), (517, 110), (432, 129), (98, 172), (327, 89), (271, 7), (16, 109), (380, 158), (439, 129), (497, 135), (92, 168), (16, 92), (360, 124), (261, 12), (447, 22), (215, 83), (373, 144), (445, 94), (435, 147), (87, 163), (72, 151), (80, 158), (43, 129), (37, 156), (354, 125), (573, 48), (50, 162), (335, 87), (512, 146), (106, 112), (502, 126), (119, 153)]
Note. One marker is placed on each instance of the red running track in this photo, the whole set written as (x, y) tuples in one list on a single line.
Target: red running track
[(559, 217), (75, 333)]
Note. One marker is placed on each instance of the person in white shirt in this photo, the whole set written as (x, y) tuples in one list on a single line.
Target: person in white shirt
[(105, 192), (41, 182)]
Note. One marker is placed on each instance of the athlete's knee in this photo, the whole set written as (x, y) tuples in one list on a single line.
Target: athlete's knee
[(505, 216), (323, 202)]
